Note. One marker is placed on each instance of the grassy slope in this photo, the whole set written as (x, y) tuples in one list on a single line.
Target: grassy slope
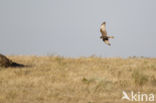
[(82, 80)]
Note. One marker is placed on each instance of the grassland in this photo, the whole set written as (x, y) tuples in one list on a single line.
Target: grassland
[(55, 79)]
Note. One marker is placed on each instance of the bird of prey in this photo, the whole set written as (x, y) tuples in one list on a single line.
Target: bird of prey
[(104, 36)]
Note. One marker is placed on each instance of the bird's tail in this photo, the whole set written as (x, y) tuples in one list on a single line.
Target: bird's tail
[(112, 37)]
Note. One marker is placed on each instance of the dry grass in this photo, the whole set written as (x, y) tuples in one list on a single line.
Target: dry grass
[(54, 79)]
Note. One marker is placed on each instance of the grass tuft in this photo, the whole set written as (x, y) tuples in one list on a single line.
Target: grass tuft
[(139, 78)]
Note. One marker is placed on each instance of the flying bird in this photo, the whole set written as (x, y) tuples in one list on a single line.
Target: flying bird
[(104, 36)]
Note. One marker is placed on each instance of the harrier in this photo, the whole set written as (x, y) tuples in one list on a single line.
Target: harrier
[(104, 36)]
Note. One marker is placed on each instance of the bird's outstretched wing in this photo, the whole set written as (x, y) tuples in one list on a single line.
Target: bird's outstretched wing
[(103, 29), (107, 42)]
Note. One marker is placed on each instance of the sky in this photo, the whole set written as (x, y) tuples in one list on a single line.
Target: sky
[(71, 28)]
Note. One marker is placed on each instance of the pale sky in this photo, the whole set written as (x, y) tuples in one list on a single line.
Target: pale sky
[(71, 27)]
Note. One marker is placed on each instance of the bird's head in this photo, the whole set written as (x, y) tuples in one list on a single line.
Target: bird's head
[(104, 22)]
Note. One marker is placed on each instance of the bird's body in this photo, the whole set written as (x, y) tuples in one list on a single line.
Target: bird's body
[(104, 36)]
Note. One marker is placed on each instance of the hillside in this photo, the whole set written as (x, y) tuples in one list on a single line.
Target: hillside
[(55, 79)]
